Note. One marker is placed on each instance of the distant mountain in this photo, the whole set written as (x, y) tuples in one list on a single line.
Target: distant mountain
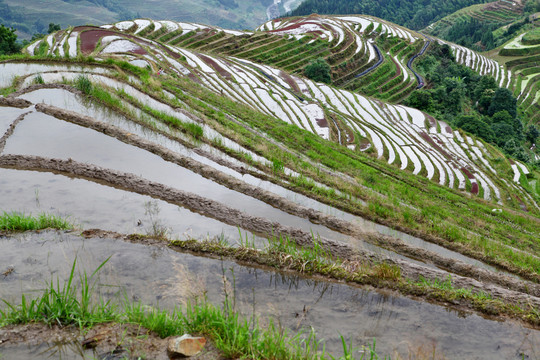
[(33, 16), (414, 14)]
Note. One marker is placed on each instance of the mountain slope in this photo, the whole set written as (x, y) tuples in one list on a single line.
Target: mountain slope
[(411, 13), (404, 137)]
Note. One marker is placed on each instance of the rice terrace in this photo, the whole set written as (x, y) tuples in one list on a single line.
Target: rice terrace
[(319, 187)]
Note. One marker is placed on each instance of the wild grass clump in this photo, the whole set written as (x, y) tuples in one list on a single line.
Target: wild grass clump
[(16, 221), (62, 305), (83, 83), (38, 79)]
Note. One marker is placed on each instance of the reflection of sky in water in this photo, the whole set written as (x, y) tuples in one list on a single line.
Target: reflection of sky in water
[(43, 135), (92, 205), (90, 146), (154, 275)]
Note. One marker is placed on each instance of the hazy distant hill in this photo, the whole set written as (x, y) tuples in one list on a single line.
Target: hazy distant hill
[(33, 16), (414, 14)]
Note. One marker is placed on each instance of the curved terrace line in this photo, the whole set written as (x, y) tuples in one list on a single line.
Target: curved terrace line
[(379, 62), (420, 80)]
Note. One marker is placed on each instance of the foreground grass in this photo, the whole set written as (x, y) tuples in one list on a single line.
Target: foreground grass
[(233, 335), (16, 221)]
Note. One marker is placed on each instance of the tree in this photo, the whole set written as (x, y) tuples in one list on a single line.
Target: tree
[(476, 126), (532, 134), (318, 70), (503, 100), (503, 133), (53, 27), (8, 41)]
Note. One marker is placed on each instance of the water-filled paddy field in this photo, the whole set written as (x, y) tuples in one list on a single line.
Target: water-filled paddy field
[(162, 195)]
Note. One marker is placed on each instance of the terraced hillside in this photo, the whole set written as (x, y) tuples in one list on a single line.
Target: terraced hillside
[(154, 124), (521, 56), (402, 136), (499, 13)]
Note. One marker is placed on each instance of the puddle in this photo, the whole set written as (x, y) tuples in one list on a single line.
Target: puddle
[(159, 275), (63, 351), (43, 135), (92, 205)]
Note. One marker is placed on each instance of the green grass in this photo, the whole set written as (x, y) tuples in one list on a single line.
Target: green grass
[(75, 303), (16, 221), (83, 84)]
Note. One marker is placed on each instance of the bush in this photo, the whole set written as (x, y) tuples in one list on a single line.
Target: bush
[(318, 70)]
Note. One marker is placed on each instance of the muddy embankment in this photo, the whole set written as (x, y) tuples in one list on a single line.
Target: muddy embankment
[(317, 217), (234, 217)]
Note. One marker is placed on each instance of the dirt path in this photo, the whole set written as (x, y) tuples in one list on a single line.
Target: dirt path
[(107, 341)]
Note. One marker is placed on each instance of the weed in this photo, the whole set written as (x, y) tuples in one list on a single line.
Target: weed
[(157, 229), (62, 305), (38, 79), (16, 221), (83, 84)]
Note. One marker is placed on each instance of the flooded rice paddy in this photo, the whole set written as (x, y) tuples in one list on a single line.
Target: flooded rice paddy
[(161, 276), (85, 145)]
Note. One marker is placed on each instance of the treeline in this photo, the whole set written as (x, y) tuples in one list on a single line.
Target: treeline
[(474, 103), (413, 14)]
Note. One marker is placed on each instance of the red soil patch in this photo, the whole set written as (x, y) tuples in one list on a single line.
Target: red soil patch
[(94, 38), (428, 138), (90, 39), (448, 129), (289, 80), (474, 185), (467, 173), (210, 62), (322, 122)]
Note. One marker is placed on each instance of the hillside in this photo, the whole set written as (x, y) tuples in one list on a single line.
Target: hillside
[(411, 13), (482, 26), (520, 55), (205, 135), (33, 16)]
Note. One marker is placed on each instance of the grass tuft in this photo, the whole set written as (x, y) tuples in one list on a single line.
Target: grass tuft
[(16, 221)]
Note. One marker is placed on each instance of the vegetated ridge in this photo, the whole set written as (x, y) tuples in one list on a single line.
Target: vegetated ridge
[(411, 14), (401, 136)]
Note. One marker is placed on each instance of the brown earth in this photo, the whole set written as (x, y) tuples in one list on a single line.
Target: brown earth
[(126, 341)]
